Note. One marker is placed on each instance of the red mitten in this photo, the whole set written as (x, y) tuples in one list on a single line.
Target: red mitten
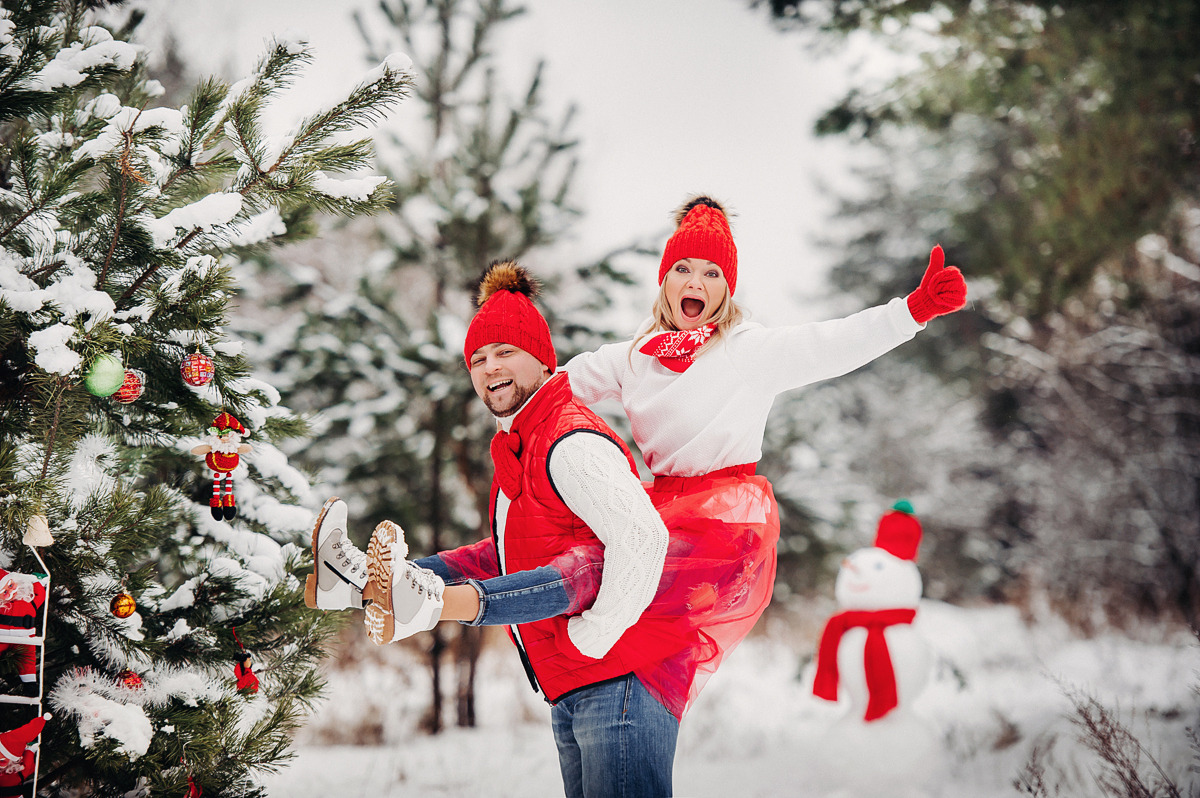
[(942, 290)]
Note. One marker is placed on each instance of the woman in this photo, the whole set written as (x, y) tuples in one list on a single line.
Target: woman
[(697, 383)]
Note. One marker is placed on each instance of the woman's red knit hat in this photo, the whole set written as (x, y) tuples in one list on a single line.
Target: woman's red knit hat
[(507, 314), (702, 231)]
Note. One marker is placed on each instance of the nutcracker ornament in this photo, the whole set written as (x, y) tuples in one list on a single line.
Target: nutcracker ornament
[(21, 595), (222, 452)]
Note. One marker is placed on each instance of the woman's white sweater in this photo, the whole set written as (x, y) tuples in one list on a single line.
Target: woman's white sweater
[(714, 414)]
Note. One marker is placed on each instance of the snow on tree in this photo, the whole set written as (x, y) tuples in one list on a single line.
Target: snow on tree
[(481, 173), (841, 452), (118, 220), (1106, 404)]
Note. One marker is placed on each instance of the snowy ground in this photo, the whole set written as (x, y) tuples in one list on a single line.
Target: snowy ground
[(996, 691)]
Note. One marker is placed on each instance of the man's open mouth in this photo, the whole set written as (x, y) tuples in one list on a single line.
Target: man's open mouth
[(496, 386)]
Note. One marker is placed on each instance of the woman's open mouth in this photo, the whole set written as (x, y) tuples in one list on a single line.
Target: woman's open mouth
[(691, 308)]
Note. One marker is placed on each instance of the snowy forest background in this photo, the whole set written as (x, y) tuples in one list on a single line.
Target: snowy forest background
[(1047, 436)]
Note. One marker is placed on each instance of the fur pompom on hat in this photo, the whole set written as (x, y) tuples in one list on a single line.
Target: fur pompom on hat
[(702, 231), (507, 314)]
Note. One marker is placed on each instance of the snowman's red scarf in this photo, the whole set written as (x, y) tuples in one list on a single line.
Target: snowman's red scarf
[(877, 662)]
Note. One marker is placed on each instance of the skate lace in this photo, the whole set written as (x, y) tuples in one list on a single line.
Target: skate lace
[(355, 558)]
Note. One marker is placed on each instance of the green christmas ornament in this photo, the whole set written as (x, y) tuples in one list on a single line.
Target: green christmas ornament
[(105, 376)]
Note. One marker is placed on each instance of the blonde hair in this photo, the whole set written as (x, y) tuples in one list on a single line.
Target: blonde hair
[(727, 316)]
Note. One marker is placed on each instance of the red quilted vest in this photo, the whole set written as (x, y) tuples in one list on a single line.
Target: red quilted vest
[(540, 526)]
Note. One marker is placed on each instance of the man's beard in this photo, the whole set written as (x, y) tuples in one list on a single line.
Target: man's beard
[(521, 394)]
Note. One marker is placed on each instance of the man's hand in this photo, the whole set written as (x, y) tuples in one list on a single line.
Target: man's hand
[(942, 290)]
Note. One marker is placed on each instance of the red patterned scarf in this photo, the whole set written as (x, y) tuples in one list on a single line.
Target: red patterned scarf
[(676, 349)]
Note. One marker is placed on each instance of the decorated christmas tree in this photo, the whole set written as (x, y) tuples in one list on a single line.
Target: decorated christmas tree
[(141, 487)]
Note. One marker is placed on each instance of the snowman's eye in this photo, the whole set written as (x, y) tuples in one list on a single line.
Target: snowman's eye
[(878, 566)]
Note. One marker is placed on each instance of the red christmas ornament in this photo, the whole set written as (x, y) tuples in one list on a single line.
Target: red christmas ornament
[(197, 369), (132, 388), (130, 679), (194, 790)]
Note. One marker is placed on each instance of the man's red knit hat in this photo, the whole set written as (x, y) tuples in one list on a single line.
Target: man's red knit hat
[(702, 231), (899, 532), (507, 314)]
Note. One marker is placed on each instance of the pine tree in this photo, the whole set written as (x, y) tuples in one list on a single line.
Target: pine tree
[(119, 222), (1052, 148), (378, 353)]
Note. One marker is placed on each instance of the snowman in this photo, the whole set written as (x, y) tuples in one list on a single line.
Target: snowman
[(870, 654)]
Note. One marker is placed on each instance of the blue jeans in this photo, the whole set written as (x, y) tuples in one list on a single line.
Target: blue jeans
[(614, 741), (520, 597)]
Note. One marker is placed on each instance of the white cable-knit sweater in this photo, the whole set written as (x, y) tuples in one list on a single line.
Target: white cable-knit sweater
[(714, 415), (593, 478)]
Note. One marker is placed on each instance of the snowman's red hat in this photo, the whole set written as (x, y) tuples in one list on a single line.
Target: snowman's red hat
[(899, 532), (13, 743)]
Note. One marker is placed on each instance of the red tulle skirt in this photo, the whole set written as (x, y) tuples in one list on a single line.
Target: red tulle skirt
[(717, 579)]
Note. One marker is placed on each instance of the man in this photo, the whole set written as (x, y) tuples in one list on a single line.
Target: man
[(565, 500)]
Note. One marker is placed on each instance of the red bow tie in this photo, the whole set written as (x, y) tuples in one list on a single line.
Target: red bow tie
[(677, 349)]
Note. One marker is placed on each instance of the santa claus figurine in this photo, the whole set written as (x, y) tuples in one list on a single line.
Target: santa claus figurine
[(869, 648), (18, 755), (222, 450), (20, 597)]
